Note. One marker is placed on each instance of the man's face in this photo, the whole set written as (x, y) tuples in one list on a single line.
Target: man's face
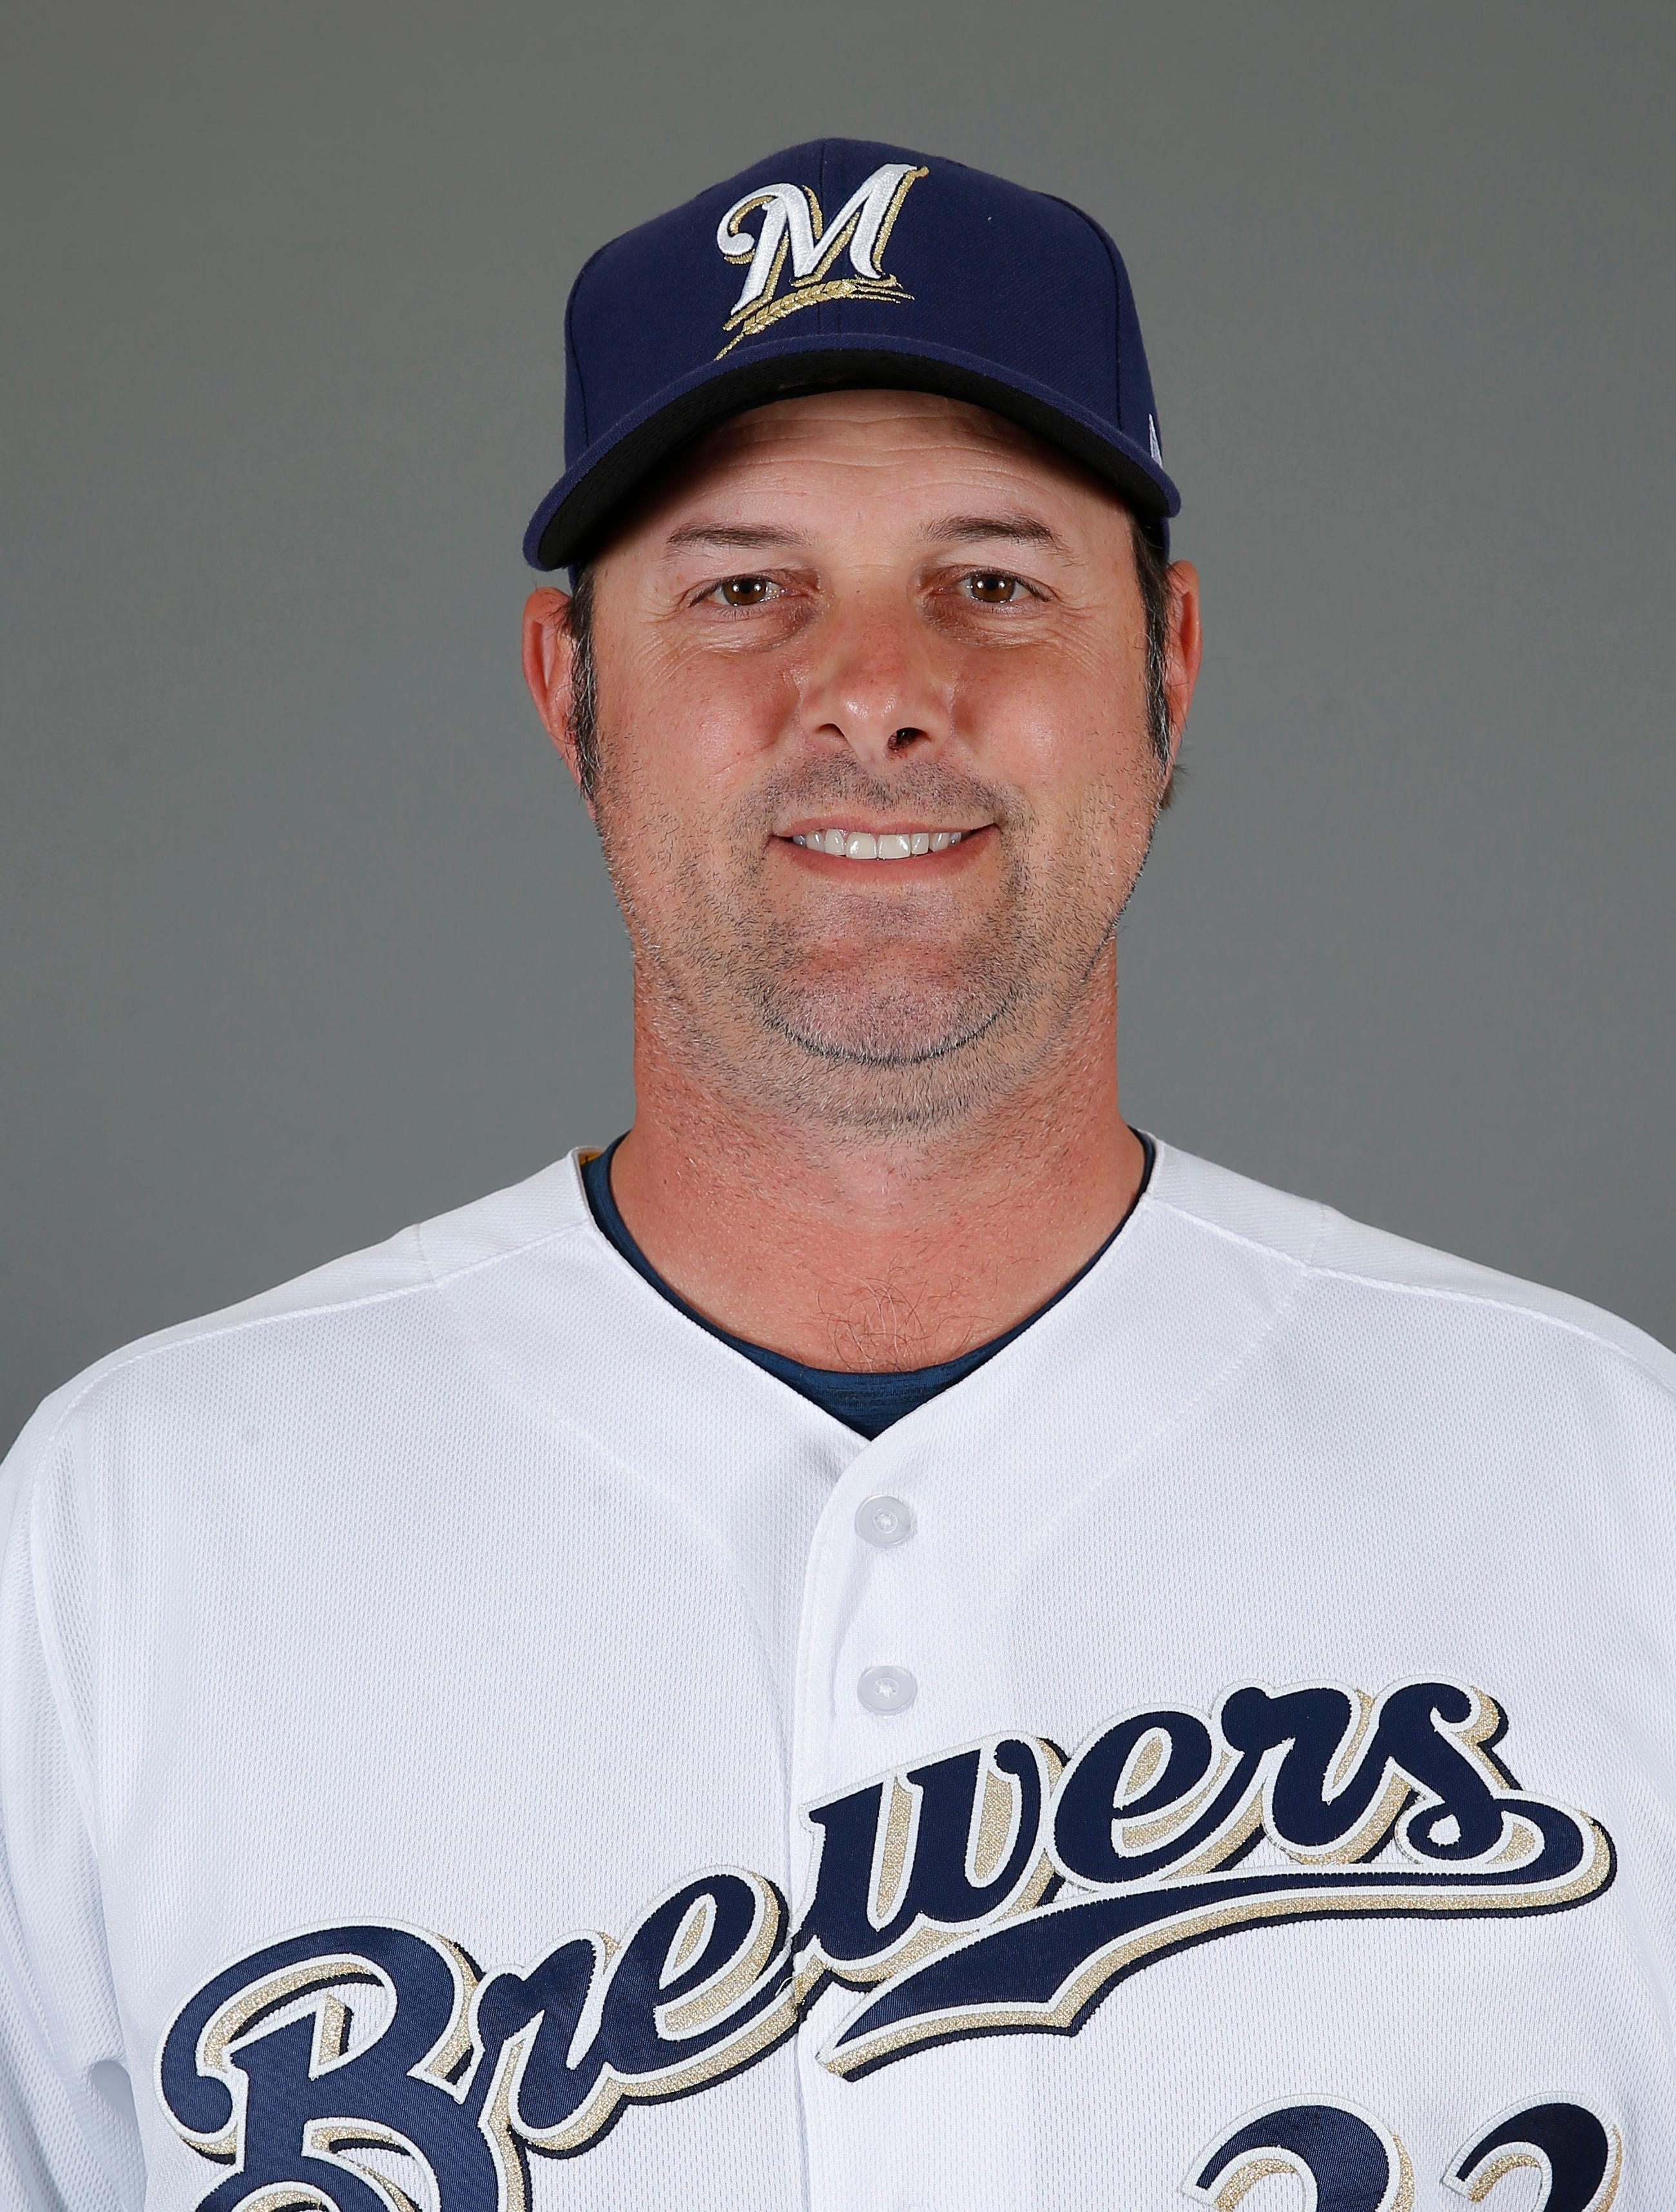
[(844, 622)]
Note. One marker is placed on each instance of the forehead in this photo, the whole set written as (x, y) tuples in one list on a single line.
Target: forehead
[(898, 448)]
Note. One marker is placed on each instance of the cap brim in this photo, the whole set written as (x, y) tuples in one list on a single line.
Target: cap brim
[(566, 525)]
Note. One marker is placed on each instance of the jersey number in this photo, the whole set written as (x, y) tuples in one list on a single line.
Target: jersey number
[(1349, 2163)]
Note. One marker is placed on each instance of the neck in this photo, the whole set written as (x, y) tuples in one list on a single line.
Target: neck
[(877, 1254)]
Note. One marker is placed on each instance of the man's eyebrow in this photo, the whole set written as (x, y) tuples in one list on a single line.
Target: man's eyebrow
[(737, 537), (953, 530), (1015, 529)]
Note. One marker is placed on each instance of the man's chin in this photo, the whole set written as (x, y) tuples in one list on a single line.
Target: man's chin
[(897, 1029)]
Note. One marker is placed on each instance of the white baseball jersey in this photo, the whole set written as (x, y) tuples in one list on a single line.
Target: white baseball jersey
[(469, 1740)]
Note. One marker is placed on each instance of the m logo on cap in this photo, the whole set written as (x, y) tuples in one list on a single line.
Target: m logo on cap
[(792, 223)]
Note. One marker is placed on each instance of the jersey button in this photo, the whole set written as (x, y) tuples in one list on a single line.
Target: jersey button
[(884, 1521), (887, 1689)]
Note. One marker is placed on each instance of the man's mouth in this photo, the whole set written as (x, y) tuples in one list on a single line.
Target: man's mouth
[(847, 844)]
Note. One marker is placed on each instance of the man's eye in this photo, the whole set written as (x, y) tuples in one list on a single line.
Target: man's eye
[(745, 591), (990, 588)]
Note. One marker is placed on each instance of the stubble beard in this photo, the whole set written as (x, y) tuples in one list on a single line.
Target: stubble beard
[(880, 1034)]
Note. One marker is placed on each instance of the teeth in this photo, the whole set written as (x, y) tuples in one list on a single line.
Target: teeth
[(883, 846), (888, 845)]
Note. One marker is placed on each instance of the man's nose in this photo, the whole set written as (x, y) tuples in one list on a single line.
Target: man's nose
[(873, 681)]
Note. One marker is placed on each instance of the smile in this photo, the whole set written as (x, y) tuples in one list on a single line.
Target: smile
[(888, 845)]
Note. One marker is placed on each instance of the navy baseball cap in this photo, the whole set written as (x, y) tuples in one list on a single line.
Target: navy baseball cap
[(843, 263)]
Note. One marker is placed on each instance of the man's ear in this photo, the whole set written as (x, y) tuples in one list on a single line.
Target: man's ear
[(548, 652), (1185, 643)]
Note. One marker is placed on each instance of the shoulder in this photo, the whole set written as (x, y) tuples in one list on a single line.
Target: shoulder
[(307, 1328), (1371, 1283)]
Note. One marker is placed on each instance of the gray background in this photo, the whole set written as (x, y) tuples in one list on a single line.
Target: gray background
[(303, 933)]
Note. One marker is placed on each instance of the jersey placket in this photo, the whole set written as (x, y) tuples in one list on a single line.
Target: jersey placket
[(898, 1666)]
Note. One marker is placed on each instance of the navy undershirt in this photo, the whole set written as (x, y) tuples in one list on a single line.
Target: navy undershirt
[(866, 1403)]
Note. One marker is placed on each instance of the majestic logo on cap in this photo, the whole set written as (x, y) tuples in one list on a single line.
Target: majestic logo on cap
[(792, 225)]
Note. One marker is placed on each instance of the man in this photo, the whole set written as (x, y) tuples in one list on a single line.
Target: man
[(912, 1646)]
